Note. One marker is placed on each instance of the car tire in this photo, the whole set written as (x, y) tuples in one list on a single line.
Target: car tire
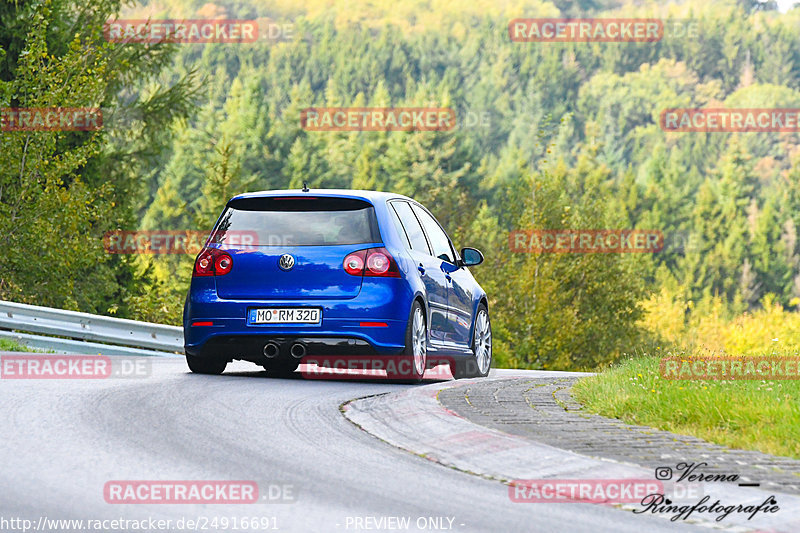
[(200, 365), (478, 365), (412, 362)]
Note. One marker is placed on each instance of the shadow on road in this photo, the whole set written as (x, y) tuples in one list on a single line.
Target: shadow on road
[(313, 373)]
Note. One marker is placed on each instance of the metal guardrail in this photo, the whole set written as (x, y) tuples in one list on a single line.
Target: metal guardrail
[(92, 333)]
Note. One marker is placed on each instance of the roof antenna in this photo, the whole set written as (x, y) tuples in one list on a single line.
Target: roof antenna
[(305, 187)]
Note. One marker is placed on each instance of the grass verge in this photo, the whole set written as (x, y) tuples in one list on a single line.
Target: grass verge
[(7, 345), (751, 415)]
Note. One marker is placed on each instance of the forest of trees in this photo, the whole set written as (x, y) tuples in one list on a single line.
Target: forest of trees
[(549, 135)]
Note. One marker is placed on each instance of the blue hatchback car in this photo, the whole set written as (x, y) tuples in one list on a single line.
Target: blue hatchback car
[(290, 274)]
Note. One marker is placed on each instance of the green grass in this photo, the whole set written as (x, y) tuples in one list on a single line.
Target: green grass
[(752, 415), (7, 345)]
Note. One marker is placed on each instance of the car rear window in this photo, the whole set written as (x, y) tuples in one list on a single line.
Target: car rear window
[(298, 221)]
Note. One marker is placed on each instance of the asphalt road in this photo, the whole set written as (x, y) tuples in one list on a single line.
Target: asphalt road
[(63, 440)]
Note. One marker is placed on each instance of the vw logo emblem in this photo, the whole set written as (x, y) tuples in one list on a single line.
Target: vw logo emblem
[(286, 262)]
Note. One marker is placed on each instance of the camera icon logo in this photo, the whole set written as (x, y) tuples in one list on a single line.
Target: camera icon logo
[(663, 473)]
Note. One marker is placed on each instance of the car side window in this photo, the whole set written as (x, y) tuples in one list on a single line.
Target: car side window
[(411, 226), (399, 225), (438, 238)]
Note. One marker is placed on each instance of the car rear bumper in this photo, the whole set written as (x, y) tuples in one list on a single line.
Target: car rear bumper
[(251, 347)]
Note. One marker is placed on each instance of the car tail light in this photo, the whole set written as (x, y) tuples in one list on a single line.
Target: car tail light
[(223, 264), (378, 263), (375, 262), (354, 263), (212, 262)]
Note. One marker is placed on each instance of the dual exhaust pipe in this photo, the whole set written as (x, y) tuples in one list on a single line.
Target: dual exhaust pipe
[(271, 350)]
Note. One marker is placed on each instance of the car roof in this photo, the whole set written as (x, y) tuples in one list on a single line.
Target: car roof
[(370, 196)]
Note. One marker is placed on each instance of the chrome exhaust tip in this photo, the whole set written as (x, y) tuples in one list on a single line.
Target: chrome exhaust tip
[(271, 350), (298, 350)]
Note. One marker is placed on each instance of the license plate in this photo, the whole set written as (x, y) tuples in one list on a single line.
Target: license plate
[(286, 315)]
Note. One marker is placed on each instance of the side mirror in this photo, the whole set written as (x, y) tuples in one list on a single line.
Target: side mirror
[(471, 257)]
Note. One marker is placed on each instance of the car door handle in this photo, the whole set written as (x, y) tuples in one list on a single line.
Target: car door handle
[(446, 272), (421, 269)]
